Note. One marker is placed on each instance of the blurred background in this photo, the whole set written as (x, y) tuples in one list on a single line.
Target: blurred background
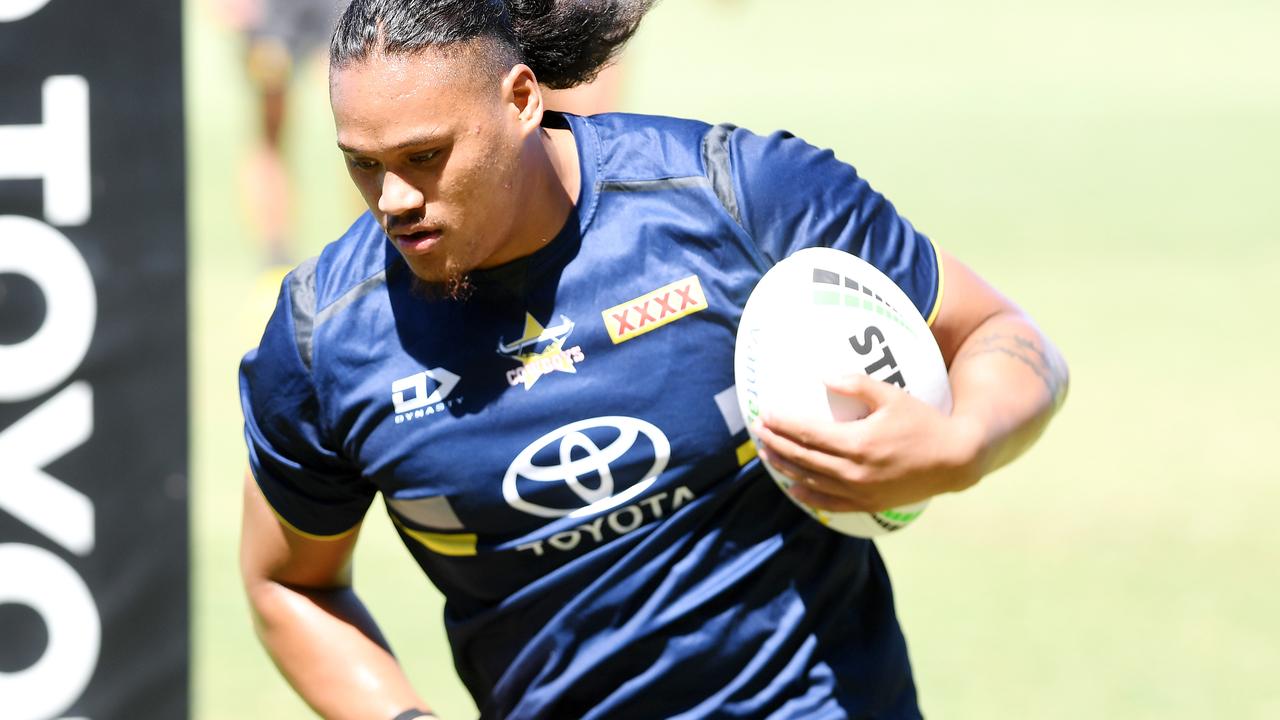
[(1109, 165)]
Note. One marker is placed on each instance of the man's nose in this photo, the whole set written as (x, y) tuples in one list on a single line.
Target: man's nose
[(398, 195)]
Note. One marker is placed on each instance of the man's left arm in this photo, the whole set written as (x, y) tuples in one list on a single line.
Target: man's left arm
[(1007, 380)]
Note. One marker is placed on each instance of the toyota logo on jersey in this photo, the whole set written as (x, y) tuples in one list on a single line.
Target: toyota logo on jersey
[(586, 467)]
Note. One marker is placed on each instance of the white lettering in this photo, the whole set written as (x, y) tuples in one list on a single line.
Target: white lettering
[(428, 411), (566, 541), (56, 151), (594, 529), (15, 10), (620, 522), (655, 504), (57, 511), (682, 496), (51, 588), (37, 364), (615, 521)]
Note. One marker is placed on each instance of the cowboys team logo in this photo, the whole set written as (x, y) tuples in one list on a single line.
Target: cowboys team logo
[(586, 467), (540, 351)]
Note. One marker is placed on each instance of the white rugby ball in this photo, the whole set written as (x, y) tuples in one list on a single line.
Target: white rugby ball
[(822, 313)]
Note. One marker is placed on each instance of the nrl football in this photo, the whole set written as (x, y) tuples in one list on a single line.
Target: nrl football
[(820, 313)]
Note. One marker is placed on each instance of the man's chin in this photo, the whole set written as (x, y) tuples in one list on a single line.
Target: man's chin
[(438, 278), (452, 287)]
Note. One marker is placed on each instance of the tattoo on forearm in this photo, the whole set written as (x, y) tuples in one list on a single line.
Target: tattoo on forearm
[(1045, 362)]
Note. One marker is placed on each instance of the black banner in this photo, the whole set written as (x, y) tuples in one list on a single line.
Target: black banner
[(93, 365)]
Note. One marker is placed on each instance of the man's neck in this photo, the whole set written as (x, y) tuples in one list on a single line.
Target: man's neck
[(562, 151), (554, 183)]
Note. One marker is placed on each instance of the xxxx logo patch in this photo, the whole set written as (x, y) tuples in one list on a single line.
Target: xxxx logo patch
[(654, 309)]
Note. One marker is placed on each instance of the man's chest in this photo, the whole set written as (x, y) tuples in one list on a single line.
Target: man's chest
[(585, 412)]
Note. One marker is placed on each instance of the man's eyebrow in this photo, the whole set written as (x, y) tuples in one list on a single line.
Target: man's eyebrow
[(428, 138)]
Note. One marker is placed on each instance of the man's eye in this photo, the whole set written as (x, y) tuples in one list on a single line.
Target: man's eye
[(424, 157), (361, 163)]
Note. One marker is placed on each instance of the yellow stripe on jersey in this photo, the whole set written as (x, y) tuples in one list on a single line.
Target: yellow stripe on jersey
[(937, 299), (311, 536), (451, 544), (746, 452)]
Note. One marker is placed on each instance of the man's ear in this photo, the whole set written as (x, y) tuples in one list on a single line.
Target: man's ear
[(522, 95)]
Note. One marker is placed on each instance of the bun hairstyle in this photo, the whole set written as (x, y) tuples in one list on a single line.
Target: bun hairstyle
[(564, 42)]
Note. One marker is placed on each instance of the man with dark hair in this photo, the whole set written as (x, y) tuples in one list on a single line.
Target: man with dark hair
[(525, 346)]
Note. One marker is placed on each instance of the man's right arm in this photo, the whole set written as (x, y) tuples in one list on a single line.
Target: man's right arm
[(309, 619)]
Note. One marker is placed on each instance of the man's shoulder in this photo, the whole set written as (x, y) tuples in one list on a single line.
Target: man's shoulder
[(653, 147), (647, 147), (320, 288), (357, 258)]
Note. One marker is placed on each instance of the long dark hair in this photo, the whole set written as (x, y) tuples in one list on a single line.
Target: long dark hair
[(564, 42)]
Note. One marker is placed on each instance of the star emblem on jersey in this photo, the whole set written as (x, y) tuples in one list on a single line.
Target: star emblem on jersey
[(541, 351), (652, 310)]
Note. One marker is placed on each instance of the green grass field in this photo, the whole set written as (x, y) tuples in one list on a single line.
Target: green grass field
[(1111, 165)]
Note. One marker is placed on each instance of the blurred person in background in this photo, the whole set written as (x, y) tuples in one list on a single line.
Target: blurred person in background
[(470, 350), (282, 37)]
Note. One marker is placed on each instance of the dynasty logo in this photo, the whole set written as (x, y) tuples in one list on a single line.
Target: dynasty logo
[(424, 394), (540, 351)]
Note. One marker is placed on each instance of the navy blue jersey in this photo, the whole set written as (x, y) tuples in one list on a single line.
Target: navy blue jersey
[(563, 455)]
